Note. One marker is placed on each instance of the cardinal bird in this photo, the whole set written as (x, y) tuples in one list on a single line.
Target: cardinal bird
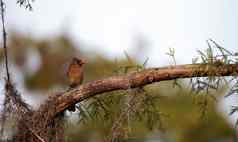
[(75, 75)]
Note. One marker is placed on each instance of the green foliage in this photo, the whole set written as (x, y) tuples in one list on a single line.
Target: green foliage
[(214, 55), (171, 53), (157, 111)]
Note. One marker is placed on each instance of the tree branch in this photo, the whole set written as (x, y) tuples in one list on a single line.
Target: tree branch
[(137, 79)]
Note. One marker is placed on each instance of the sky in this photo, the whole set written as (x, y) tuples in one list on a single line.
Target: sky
[(110, 27)]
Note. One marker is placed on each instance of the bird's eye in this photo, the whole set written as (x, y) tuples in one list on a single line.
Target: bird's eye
[(79, 62)]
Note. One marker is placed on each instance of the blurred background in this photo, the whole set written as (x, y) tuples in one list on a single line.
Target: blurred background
[(112, 35)]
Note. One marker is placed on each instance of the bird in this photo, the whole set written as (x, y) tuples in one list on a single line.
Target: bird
[(75, 75)]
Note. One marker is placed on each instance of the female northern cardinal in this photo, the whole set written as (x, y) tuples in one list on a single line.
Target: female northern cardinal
[(75, 75), (75, 72)]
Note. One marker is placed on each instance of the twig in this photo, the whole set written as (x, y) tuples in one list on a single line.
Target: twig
[(4, 35), (36, 135)]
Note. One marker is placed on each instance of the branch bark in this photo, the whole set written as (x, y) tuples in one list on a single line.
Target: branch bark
[(137, 79)]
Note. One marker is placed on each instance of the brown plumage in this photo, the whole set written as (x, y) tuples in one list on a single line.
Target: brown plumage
[(75, 75), (75, 72)]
